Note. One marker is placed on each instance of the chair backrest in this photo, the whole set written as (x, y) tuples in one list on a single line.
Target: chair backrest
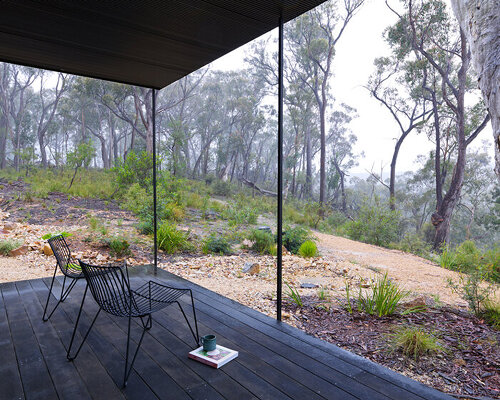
[(61, 251), (110, 288)]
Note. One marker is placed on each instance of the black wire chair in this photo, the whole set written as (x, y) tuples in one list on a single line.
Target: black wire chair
[(110, 287), (68, 266)]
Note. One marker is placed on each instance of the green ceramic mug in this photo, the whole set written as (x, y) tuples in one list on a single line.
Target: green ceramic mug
[(208, 342)]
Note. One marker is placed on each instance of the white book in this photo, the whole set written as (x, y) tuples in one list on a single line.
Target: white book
[(217, 358)]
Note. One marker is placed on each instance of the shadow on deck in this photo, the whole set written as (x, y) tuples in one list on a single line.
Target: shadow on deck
[(276, 361)]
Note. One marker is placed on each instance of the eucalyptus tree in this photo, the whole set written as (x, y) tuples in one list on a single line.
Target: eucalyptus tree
[(341, 143), (480, 22), (313, 37), (16, 94), (428, 30), (397, 84), (48, 100)]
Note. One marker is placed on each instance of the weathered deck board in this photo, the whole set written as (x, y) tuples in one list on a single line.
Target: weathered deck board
[(276, 361)]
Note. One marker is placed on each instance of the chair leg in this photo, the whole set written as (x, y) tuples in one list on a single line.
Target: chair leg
[(68, 356), (145, 327), (64, 295), (48, 297), (197, 335)]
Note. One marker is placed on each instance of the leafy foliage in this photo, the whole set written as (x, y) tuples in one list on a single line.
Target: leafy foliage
[(294, 237), (262, 241), (473, 290), (137, 168), (215, 244), (221, 188), (376, 224)]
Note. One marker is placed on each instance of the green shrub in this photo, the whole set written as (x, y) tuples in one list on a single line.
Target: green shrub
[(491, 313), (172, 212), (467, 257), (239, 214), (136, 198), (294, 237), (216, 245), (308, 249), (383, 299), (473, 290), (221, 188), (118, 246), (413, 243), (6, 245), (490, 262), (414, 341), (170, 239), (262, 240), (376, 224), (137, 168)]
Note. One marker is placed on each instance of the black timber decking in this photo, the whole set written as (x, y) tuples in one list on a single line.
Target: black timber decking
[(276, 361)]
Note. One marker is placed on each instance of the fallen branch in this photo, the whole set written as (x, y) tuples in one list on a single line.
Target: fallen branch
[(254, 186)]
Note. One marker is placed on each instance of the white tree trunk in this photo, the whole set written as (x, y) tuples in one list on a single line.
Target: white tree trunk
[(480, 21)]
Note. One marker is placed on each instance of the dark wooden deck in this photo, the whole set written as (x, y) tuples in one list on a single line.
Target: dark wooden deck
[(276, 361)]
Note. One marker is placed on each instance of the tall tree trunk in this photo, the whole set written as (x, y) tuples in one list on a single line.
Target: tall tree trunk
[(441, 219), (3, 141), (480, 21), (308, 186), (322, 158)]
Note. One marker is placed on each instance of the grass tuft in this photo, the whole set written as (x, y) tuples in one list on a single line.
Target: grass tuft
[(414, 342), (6, 245), (383, 299), (294, 295)]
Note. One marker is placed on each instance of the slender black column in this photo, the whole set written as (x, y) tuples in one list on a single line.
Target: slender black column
[(280, 174), (153, 108)]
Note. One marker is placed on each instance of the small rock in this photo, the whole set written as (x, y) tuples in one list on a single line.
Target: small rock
[(265, 229), (365, 285), (9, 226), (47, 250), (308, 285), (19, 251), (251, 268)]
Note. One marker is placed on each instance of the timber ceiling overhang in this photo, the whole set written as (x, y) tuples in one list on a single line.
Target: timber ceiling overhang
[(149, 43)]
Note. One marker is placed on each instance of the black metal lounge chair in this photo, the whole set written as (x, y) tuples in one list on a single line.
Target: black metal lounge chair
[(110, 287), (68, 266)]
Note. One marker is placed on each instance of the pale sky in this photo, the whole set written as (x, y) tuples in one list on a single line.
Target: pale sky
[(375, 128)]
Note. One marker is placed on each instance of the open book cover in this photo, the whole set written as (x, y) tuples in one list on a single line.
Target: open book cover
[(216, 360)]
